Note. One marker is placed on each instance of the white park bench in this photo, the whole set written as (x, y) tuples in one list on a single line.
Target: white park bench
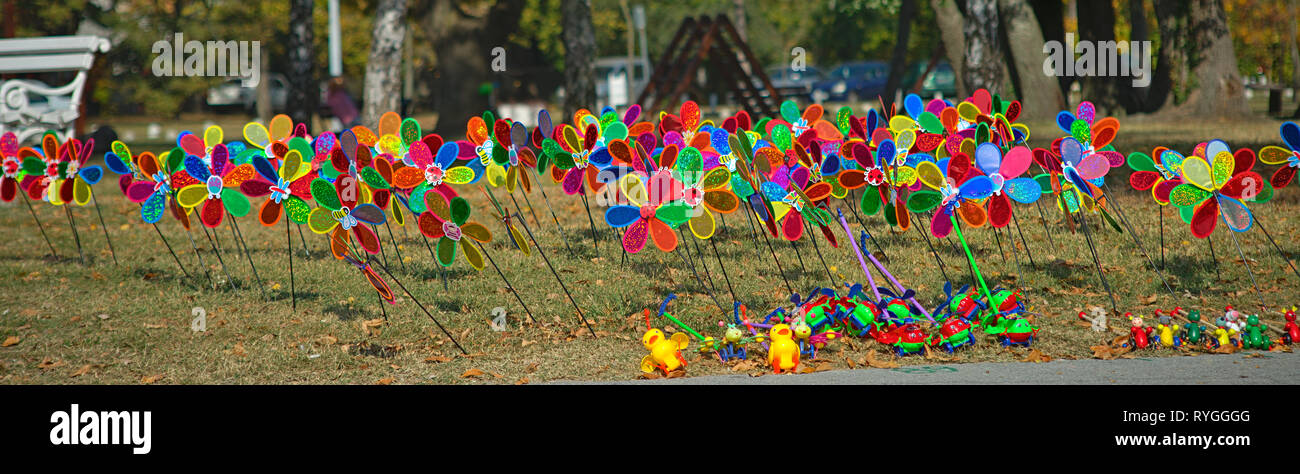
[(29, 108)]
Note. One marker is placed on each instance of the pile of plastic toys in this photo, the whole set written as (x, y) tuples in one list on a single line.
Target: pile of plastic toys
[(788, 336)]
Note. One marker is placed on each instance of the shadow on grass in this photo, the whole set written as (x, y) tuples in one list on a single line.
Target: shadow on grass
[(349, 313)]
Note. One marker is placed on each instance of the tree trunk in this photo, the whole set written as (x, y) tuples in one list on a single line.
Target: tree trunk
[(1040, 94), (462, 43), (983, 62), (304, 92), (579, 56), (898, 63), (1097, 24), (1050, 15), (384, 66), (1205, 82), (949, 20), (1291, 43)]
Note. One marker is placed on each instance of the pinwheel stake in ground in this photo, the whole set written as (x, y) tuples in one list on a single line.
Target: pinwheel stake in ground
[(285, 187), (557, 275), (11, 160)]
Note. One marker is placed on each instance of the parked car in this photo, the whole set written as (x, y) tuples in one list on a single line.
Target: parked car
[(941, 81), (792, 83), (232, 93), (852, 82)]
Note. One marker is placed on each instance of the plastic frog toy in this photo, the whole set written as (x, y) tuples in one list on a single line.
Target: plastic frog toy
[(1014, 331), (1194, 332), (732, 348), (1292, 333), (907, 338), (955, 333), (1165, 331), (1254, 336)]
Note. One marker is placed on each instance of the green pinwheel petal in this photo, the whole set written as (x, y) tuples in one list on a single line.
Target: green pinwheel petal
[(236, 203), (34, 166), (459, 210), (373, 179), (1081, 131), (410, 130), (781, 137), (500, 155), (923, 200), (1138, 161), (614, 131), (297, 209), (446, 251), (303, 146), (325, 195), (870, 203), (1186, 195), (690, 165), (929, 122), (175, 160), (674, 213)]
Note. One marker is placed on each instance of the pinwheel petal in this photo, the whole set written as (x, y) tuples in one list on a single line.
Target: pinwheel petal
[(634, 238)]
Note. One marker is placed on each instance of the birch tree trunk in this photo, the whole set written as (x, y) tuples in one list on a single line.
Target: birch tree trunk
[(384, 66), (983, 62), (304, 91)]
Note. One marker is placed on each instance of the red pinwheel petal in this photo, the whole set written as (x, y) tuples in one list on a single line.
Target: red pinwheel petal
[(1162, 190), (139, 191), (902, 214), (1205, 218), (212, 212), (366, 236), (8, 189), (1143, 180), (339, 242), (1244, 160), (999, 210), (635, 236), (66, 190), (1243, 186), (792, 226), (573, 181), (124, 183), (270, 213), (941, 223), (1282, 177), (662, 235), (429, 224)]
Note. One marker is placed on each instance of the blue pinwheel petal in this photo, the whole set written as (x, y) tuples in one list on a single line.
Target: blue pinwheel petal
[(1071, 151), (195, 167), (447, 155), (91, 174), (773, 191), (115, 163), (914, 159), (622, 216), (988, 157), (235, 148), (601, 158), (1065, 120), (370, 214), (830, 165), (977, 187), (885, 152), (152, 209), (1291, 135), (718, 138), (873, 121), (1078, 181), (912, 104), (1023, 190), (416, 202), (265, 169)]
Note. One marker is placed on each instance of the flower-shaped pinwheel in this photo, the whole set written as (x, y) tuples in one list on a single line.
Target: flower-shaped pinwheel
[(1215, 189), (1150, 175), (1082, 168), (1276, 155), (953, 182), (448, 221), (683, 129), (572, 157), (340, 212), (1092, 135), (285, 186), (219, 188), (699, 187), (809, 120), (1004, 171), (66, 176), (11, 163), (654, 207), (428, 173), (281, 128), (145, 180), (796, 198), (508, 154)]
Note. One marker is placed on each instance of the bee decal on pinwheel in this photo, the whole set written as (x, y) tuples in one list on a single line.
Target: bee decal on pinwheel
[(340, 212)]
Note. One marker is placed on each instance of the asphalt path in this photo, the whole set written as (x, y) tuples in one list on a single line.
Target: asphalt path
[(1243, 368)]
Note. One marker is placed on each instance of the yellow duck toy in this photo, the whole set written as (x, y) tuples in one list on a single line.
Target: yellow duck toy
[(783, 355), (665, 352)]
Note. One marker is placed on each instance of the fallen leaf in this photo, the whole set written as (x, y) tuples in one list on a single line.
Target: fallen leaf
[(522, 381), (1036, 355), (471, 373), (385, 381), (879, 364), (10, 341), (82, 371), (47, 363), (151, 378), (1102, 352), (238, 350), (437, 359), (371, 326)]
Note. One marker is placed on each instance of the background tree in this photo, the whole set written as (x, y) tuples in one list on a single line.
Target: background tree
[(898, 62), (1039, 93), (579, 56), (984, 62), (383, 70), (304, 90)]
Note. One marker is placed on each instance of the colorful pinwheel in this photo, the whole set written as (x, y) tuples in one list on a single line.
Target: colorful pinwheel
[(66, 178), (1215, 189), (654, 207), (1276, 155), (218, 192), (288, 187), (11, 163), (448, 221), (340, 212), (1003, 172), (428, 173), (953, 181)]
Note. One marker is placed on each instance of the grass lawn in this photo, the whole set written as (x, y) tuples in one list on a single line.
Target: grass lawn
[(62, 322)]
